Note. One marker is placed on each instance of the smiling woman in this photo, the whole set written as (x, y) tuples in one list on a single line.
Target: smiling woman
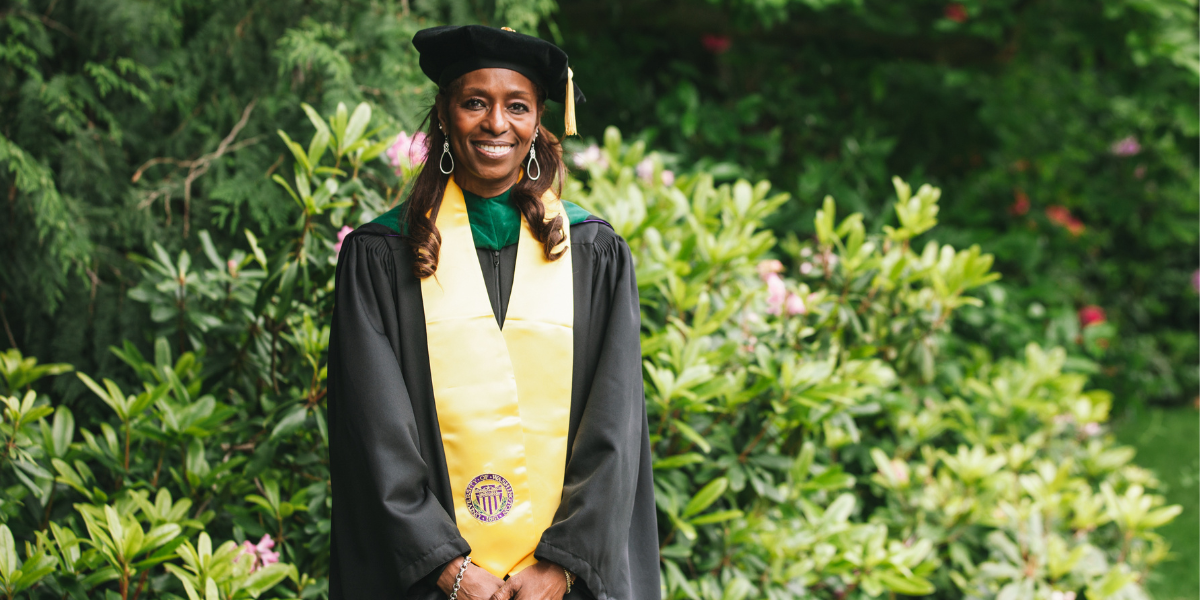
[(488, 433)]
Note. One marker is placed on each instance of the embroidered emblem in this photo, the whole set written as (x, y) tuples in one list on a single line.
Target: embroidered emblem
[(489, 498)]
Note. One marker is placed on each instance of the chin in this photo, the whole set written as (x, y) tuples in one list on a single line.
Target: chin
[(496, 174)]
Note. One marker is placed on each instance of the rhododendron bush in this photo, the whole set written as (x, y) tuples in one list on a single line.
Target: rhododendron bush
[(813, 436)]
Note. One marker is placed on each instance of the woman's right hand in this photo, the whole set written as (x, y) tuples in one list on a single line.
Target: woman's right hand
[(477, 583)]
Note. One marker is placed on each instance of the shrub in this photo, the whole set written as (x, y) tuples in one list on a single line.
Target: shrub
[(811, 436)]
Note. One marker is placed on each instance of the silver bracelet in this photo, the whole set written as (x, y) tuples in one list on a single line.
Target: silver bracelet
[(458, 579)]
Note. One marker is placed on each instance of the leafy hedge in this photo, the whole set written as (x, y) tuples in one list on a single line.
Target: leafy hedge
[(812, 436), (1065, 132)]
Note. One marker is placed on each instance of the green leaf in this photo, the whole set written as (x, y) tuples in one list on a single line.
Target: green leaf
[(62, 432), (716, 517), (374, 150), (265, 578), (100, 576), (297, 151), (116, 530), (131, 545), (290, 422), (705, 497), (678, 460), (8, 553), (117, 404), (910, 585), (692, 435)]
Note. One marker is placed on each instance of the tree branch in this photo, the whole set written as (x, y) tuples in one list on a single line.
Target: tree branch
[(200, 166)]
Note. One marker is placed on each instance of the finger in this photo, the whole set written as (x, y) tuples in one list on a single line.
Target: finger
[(506, 591)]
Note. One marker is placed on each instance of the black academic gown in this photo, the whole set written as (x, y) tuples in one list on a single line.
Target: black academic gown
[(393, 524)]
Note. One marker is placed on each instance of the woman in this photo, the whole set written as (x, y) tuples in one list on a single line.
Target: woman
[(488, 433)]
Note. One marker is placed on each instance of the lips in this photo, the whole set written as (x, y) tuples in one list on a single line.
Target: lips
[(492, 149)]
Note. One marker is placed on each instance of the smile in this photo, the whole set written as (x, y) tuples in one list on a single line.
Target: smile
[(493, 150)]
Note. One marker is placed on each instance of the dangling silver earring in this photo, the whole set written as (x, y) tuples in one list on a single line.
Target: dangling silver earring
[(442, 161), (533, 161)]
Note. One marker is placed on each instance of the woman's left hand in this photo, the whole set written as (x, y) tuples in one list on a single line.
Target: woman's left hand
[(542, 581)]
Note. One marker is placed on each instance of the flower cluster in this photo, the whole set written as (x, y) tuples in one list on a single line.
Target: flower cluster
[(956, 12), (645, 171), (260, 554), (779, 299), (593, 156), (1128, 146), (715, 43), (1062, 216), (1020, 205), (407, 151), (342, 233), (590, 156), (1091, 315)]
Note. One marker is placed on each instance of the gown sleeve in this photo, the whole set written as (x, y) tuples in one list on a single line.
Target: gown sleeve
[(389, 530), (605, 530)]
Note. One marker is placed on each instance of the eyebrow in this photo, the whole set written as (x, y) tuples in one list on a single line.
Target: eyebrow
[(478, 91)]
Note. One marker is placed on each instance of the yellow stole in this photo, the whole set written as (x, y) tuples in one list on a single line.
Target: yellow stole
[(503, 397)]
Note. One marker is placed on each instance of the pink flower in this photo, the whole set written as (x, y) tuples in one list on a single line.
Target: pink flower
[(345, 231), (645, 170), (232, 265), (769, 267), (260, 553), (1020, 204), (590, 156), (806, 268), (956, 12), (413, 148), (1063, 217), (795, 305), (668, 178), (1091, 315), (1128, 146), (1091, 429), (717, 44), (776, 293)]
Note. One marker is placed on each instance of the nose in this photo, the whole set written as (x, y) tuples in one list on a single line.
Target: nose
[(496, 122)]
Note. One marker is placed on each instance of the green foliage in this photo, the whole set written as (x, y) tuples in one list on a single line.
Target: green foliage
[(815, 439), (1016, 110)]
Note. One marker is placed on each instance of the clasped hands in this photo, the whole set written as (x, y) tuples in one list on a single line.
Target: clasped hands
[(541, 581)]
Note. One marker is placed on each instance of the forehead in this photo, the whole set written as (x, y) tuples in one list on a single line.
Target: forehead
[(496, 82)]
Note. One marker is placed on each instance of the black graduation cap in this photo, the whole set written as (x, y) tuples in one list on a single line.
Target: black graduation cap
[(449, 52)]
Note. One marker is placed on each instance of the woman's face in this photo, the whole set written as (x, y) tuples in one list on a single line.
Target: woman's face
[(491, 121)]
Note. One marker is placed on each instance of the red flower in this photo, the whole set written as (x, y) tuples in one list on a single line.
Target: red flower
[(1063, 217), (717, 44), (956, 12), (1020, 204), (1091, 315)]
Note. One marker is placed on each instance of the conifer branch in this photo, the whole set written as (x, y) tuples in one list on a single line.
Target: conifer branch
[(200, 166)]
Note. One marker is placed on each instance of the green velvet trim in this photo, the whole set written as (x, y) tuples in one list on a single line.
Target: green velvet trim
[(392, 219), (575, 213), (495, 222)]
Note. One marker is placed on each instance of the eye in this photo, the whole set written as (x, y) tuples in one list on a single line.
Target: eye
[(519, 107), (473, 104)]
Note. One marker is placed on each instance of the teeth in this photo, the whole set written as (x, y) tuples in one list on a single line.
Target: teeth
[(496, 150)]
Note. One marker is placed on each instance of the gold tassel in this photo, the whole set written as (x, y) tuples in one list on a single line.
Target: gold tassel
[(570, 105)]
